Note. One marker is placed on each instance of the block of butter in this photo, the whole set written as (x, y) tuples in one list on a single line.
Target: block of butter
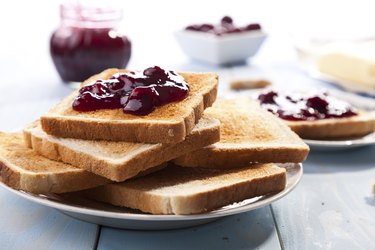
[(353, 62)]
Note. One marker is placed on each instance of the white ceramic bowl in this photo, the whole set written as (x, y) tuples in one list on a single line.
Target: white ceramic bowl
[(224, 49)]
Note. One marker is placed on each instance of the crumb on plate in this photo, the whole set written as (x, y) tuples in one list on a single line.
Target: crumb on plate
[(249, 84)]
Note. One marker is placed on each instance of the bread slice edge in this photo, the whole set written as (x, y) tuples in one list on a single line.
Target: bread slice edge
[(360, 125), (121, 169), (73, 179), (120, 194)]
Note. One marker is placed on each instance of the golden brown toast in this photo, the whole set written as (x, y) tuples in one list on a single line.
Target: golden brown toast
[(247, 134), (355, 126), (118, 161), (22, 168), (178, 190), (170, 123)]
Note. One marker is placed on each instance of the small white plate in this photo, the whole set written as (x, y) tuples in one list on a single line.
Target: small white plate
[(108, 215), (329, 145)]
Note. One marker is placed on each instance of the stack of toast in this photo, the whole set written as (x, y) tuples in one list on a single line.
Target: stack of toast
[(185, 157)]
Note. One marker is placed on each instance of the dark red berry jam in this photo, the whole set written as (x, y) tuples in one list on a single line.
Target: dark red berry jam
[(226, 26), (298, 107), (138, 93)]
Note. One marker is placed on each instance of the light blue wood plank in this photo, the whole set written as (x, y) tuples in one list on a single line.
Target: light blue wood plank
[(255, 229), (333, 207), (25, 225), (28, 102)]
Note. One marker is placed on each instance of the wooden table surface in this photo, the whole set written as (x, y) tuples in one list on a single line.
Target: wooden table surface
[(332, 207)]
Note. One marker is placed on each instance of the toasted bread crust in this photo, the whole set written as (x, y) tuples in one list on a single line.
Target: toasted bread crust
[(8, 176), (105, 130), (122, 169), (114, 125), (21, 168), (152, 193), (359, 125), (223, 158), (247, 134)]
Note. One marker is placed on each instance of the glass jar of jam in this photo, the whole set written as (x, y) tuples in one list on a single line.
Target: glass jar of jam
[(88, 42)]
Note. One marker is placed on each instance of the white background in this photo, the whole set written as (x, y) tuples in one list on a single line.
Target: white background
[(27, 25)]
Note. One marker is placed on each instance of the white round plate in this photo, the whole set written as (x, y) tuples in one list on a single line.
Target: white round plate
[(108, 215), (325, 145)]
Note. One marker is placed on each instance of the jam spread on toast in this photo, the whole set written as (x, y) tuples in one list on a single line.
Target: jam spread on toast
[(298, 107), (138, 93), (226, 26)]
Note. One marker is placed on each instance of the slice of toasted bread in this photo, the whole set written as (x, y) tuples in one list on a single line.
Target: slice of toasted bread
[(247, 134), (22, 168), (355, 126), (178, 190), (170, 123), (119, 161)]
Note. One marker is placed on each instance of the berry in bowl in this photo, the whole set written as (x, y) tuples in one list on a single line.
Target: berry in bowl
[(221, 44)]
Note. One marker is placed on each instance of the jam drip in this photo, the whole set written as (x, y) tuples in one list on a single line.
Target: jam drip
[(138, 93), (296, 107), (226, 26)]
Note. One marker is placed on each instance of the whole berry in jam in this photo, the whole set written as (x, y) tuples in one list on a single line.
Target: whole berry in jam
[(206, 27), (226, 20), (253, 26), (268, 97), (317, 103)]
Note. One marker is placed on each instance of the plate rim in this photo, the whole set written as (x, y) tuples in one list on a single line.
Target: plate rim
[(298, 167), (365, 140)]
